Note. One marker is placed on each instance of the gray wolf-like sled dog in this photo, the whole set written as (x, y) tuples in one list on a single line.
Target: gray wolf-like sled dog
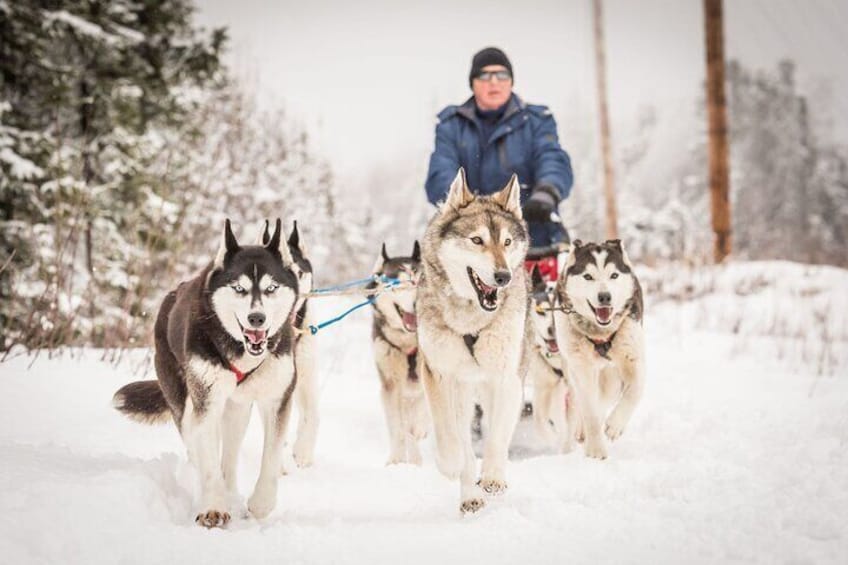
[(474, 331), (599, 332), (395, 343), (224, 340)]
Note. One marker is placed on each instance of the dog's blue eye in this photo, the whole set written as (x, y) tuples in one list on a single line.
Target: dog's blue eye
[(588, 277), (239, 289), (477, 240), (271, 289), (614, 276)]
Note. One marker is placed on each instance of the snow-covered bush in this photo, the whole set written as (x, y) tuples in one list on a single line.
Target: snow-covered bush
[(798, 311)]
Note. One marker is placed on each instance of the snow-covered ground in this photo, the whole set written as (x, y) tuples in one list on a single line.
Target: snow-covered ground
[(734, 455)]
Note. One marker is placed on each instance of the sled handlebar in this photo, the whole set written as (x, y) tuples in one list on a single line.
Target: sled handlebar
[(551, 250)]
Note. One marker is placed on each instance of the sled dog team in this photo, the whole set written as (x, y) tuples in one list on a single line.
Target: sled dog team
[(466, 331)]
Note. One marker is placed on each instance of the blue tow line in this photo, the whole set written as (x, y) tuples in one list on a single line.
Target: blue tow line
[(388, 283), (345, 286)]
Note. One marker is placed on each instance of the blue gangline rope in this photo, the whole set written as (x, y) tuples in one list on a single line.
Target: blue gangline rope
[(314, 329), (388, 283), (351, 284)]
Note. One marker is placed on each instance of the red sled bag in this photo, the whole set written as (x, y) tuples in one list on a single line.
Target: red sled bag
[(545, 259)]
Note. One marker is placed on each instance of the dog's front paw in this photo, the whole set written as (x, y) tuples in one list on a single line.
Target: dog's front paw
[(303, 455), (418, 432), (395, 460), (303, 460), (472, 505), (613, 430), (212, 519), (263, 500), (615, 425), (595, 448), (493, 487)]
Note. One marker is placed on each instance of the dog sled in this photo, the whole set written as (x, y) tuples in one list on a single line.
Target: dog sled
[(547, 259)]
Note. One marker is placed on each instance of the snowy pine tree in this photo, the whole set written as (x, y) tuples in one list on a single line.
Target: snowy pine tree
[(788, 183), (85, 85), (124, 146)]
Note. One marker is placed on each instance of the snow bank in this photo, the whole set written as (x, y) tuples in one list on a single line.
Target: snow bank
[(796, 312)]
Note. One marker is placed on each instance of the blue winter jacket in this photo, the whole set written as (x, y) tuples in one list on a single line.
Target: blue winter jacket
[(524, 142)]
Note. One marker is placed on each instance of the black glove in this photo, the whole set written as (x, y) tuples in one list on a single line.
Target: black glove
[(541, 204)]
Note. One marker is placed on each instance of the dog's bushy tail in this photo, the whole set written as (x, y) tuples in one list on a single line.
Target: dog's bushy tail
[(142, 401)]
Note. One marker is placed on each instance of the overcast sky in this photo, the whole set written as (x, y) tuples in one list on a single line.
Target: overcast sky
[(368, 77)]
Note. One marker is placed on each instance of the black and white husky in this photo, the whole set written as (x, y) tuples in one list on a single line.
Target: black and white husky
[(306, 390), (395, 340), (554, 411), (599, 332), (222, 342)]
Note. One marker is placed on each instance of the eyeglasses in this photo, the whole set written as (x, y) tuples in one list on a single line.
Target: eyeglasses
[(486, 76)]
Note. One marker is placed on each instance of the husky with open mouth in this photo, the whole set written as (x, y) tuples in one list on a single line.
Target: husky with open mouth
[(224, 341), (395, 340), (474, 333), (599, 331), (554, 410)]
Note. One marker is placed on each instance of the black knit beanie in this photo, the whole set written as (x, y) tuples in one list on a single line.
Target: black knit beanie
[(485, 57)]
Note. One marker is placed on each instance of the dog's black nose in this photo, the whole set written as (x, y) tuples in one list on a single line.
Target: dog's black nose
[(605, 298), (502, 278), (256, 319), (550, 331)]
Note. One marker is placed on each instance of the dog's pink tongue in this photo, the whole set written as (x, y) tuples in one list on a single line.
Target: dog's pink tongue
[(410, 320), (255, 336), (552, 346), (603, 313), (486, 288)]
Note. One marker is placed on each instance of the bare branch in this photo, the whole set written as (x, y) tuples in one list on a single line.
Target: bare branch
[(9, 260)]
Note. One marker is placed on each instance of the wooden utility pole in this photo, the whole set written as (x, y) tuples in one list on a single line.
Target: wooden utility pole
[(717, 113), (606, 142)]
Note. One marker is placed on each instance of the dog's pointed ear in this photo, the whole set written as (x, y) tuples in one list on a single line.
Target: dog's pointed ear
[(616, 244), (570, 259), (273, 241), (294, 236), (460, 195), (277, 243), (264, 234), (536, 276), (381, 261), (626, 258), (229, 244), (509, 198), (295, 241), (416, 251)]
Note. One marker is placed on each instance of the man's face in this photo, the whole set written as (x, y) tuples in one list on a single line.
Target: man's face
[(493, 92)]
